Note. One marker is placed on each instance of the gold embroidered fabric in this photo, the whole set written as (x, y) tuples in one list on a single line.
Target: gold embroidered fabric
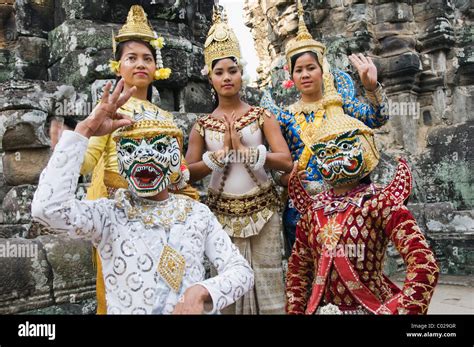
[(171, 267), (242, 205), (174, 210), (245, 215), (255, 114), (306, 107), (299, 110)]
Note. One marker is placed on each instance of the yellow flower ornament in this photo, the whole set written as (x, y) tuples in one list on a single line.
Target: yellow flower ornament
[(162, 73), (114, 66)]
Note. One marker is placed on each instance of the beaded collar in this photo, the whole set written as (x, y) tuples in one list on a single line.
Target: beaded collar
[(173, 210), (331, 202)]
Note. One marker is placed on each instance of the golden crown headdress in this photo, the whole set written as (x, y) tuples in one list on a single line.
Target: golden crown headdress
[(137, 27), (303, 42), (149, 124), (336, 122), (221, 41)]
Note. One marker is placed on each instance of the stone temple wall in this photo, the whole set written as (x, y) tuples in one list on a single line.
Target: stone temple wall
[(54, 54), (424, 54), (53, 58)]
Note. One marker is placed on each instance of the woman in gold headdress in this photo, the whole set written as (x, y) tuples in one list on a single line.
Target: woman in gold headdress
[(229, 144), (306, 58), (138, 62)]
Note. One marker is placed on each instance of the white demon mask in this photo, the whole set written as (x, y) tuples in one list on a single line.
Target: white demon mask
[(148, 163)]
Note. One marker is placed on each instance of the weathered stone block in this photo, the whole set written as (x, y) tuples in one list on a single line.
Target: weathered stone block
[(196, 65), (38, 95), (441, 217), (22, 129), (8, 231), (82, 67), (438, 215), (26, 277), (6, 71), (31, 58), (393, 12), (178, 61), (172, 31), (185, 121), (447, 167), (168, 100), (81, 9), (439, 35), (454, 252), (77, 34), (359, 13), (25, 165), (8, 33), (72, 268), (407, 64), (197, 98), (83, 307), (34, 18), (382, 30), (463, 104), (418, 211), (16, 205), (395, 45)]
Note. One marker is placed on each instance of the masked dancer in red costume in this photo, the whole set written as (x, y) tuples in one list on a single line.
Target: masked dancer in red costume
[(336, 265)]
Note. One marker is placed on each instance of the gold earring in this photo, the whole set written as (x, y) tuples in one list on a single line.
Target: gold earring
[(174, 177)]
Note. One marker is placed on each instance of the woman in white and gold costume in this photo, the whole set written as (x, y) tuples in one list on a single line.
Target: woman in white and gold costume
[(138, 61), (230, 145)]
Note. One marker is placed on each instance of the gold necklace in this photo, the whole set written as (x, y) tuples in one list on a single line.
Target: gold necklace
[(306, 107), (151, 213)]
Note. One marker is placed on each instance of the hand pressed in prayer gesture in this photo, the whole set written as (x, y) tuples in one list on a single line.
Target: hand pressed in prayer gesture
[(104, 118), (235, 135), (366, 69), (228, 134)]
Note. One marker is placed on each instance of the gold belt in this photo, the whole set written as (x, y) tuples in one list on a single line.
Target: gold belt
[(243, 205)]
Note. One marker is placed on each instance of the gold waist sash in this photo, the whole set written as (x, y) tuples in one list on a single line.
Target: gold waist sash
[(245, 205)]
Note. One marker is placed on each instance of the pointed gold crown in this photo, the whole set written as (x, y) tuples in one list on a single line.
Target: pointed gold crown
[(221, 41), (336, 122), (303, 42), (136, 27), (150, 121)]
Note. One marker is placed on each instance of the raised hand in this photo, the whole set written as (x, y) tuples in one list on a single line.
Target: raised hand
[(104, 118), (366, 69)]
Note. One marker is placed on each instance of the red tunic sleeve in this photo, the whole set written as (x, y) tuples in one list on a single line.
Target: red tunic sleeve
[(422, 270)]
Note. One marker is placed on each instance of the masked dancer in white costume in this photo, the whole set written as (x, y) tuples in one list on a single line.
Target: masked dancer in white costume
[(151, 243)]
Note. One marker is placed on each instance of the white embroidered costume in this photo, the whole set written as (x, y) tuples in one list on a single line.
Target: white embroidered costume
[(130, 234)]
